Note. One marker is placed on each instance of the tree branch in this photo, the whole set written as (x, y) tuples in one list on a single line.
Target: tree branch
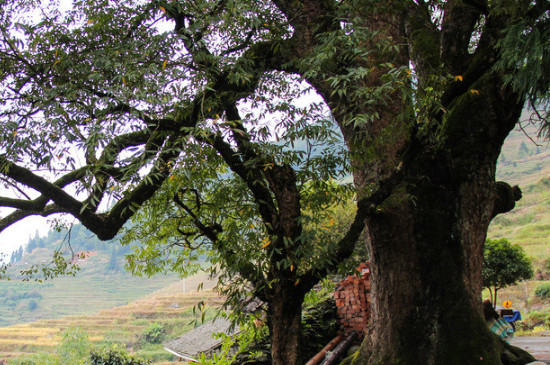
[(456, 31)]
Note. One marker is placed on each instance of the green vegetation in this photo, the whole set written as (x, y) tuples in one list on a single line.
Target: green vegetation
[(75, 349), (115, 355), (543, 291), (155, 333)]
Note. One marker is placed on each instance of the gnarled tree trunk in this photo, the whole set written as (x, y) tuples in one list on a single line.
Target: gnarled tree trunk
[(426, 243)]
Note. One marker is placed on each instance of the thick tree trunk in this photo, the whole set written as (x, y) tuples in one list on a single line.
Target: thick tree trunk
[(423, 310), (425, 299), (285, 315), (426, 246)]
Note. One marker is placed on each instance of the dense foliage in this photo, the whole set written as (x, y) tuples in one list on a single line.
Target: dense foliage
[(114, 355), (155, 333)]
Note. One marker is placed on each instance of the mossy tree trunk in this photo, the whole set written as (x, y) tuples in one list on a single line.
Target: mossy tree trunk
[(426, 241)]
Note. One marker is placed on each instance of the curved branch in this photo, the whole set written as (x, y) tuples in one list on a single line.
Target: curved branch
[(134, 199), (51, 190), (249, 174), (21, 214)]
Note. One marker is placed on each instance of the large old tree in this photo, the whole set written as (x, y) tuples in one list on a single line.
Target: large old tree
[(424, 93)]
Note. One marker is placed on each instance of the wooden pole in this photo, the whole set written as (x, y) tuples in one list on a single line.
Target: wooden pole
[(321, 354), (340, 350)]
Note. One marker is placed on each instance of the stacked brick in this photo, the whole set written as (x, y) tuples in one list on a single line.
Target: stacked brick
[(352, 296)]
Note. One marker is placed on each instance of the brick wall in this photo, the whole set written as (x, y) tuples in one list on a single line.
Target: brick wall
[(352, 296)]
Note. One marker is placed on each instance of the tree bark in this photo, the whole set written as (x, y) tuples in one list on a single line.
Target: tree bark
[(423, 310), (285, 316)]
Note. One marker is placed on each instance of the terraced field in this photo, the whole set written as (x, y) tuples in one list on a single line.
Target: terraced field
[(121, 325)]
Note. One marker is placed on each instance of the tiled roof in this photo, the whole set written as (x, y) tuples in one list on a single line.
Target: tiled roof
[(200, 340)]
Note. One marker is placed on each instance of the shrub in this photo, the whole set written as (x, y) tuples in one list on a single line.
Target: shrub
[(155, 333), (74, 346), (115, 355), (543, 291)]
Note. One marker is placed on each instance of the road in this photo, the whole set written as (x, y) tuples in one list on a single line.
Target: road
[(538, 346)]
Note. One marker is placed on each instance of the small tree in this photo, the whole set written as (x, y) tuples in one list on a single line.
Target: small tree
[(504, 264)]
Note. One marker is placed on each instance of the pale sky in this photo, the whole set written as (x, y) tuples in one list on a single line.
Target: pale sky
[(19, 233)]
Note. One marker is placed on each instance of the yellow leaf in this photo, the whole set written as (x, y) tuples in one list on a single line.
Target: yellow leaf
[(291, 267), (296, 282), (331, 222), (458, 78), (171, 178), (90, 21), (474, 91), (15, 133), (162, 9), (124, 81), (164, 64), (266, 242), (56, 62)]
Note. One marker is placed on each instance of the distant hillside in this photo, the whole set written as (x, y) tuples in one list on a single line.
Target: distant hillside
[(524, 158), (525, 161), (124, 325), (101, 283), (73, 240)]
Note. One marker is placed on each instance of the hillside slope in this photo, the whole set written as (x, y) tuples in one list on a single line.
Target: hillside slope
[(124, 325), (525, 161), (101, 282)]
